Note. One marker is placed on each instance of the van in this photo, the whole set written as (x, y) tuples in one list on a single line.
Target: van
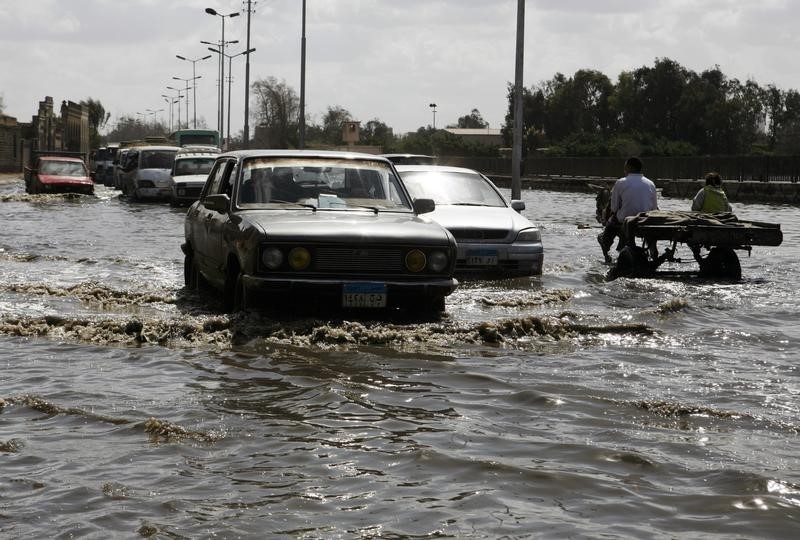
[(146, 172)]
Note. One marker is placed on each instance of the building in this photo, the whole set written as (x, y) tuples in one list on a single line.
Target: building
[(47, 131), (487, 136)]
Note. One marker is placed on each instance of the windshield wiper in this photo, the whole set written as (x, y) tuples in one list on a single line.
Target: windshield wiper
[(469, 204), (305, 205), (375, 209)]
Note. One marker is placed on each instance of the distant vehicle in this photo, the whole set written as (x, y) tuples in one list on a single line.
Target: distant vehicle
[(183, 137), (146, 172), (494, 239), (58, 174), (190, 171), (310, 226), (105, 172), (410, 159)]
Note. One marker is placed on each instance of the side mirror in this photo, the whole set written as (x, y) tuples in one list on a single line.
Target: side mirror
[(424, 206), (218, 203), (517, 205)]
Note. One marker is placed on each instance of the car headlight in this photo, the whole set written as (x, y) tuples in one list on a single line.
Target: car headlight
[(437, 261), (272, 258), (529, 235), (415, 260), (299, 258)]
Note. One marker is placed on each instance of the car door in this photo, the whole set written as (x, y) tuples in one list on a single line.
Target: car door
[(198, 218), (220, 222)]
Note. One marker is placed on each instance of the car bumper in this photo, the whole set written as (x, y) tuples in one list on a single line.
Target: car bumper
[(503, 260), (186, 193), (398, 293), (154, 193)]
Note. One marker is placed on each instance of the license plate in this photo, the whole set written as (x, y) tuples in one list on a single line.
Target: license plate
[(482, 257), (364, 295)]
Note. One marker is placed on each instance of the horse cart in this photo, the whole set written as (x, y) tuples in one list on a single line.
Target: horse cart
[(712, 238)]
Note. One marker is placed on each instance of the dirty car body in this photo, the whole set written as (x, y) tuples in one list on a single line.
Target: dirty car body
[(332, 227), (494, 239), (56, 174)]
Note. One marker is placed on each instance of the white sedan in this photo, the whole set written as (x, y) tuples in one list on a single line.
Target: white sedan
[(493, 238)]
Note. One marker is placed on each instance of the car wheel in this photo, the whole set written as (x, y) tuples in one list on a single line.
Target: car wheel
[(431, 308), (235, 294)]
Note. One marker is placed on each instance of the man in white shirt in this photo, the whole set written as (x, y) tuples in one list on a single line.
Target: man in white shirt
[(630, 195)]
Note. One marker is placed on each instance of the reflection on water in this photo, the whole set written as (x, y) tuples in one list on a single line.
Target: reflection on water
[(556, 406)]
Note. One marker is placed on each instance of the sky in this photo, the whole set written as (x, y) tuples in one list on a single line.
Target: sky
[(378, 59)]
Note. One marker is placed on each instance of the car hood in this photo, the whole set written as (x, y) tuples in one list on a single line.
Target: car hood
[(338, 226), (153, 174), (190, 179), (472, 217), (58, 179)]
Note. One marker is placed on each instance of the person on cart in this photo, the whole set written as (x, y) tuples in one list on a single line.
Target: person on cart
[(711, 199), (630, 195)]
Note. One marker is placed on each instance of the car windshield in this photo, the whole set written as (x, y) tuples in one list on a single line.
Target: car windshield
[(323, 183), (452, 188), (157, 159), (196, 165), (62, 168)]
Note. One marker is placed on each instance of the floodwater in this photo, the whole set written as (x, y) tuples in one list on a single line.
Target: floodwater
[(562, 406)]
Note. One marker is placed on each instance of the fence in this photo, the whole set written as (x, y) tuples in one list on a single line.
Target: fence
[(732, 168)]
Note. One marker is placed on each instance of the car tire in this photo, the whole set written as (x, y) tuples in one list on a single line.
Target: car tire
[(235, 293)]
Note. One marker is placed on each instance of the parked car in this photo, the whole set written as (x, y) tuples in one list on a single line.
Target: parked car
[(51, 174), (494, 239), (410, 159), (314, 225), (146, 174), (189, 172)]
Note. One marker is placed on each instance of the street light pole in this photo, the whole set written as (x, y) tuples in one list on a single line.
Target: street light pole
[(211, 11), (178, 91), (246, 129), (153, 112), (193, 79), (433, 106), (516, 149), (194, 86), (302, 119), (230, 58)]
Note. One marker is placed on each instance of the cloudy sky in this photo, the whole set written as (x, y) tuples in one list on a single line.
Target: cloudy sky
[(384, 59)]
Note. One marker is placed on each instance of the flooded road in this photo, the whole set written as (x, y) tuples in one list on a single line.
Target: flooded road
[(552, 407)]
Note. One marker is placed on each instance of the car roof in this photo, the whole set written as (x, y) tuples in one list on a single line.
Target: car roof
[(324, 154), (434, 168), (61, 158), (155, 147), (195, 154)]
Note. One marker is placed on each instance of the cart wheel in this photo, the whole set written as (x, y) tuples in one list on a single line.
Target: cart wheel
[(722, 263), (632, 262)]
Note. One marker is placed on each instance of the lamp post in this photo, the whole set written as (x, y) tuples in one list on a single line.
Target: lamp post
[(246, 129), (433, 106), (194, 87), (222, 16), (302, 119), (153, 112), (178, 91), (230, 58), (187, 92), (170, 102), (218, 46)]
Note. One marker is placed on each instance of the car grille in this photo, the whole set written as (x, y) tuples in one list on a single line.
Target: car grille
[(379, 260), (479, 234)]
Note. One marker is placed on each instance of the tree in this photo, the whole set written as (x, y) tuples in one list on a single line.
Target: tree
[(276, 113), (2, 105), (473, 120), (98, 117), (377, 133), (332, 123)]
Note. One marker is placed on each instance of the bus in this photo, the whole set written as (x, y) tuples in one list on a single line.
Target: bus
[(182, 137)]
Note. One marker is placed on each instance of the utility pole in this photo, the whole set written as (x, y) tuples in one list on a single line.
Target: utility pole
[(246, 137), (302, 119), (516, 150)]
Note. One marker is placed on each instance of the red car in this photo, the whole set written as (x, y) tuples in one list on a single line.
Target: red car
[(57, 174)]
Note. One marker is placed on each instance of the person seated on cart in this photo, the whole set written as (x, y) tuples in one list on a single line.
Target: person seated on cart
[(711, 199), (630, 195)]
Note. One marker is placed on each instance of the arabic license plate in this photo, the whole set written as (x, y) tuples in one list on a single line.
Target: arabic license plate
[(364, 295), (482, 257)]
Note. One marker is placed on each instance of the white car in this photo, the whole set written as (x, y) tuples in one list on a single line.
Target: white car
[(189, 173), (146, 172), (494, 239)]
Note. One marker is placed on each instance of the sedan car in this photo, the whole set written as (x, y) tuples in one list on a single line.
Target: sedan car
[(58, 174), (315, 226), (494, 239)]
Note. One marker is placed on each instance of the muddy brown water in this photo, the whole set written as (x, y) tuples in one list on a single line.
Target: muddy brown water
[(559, 406)]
